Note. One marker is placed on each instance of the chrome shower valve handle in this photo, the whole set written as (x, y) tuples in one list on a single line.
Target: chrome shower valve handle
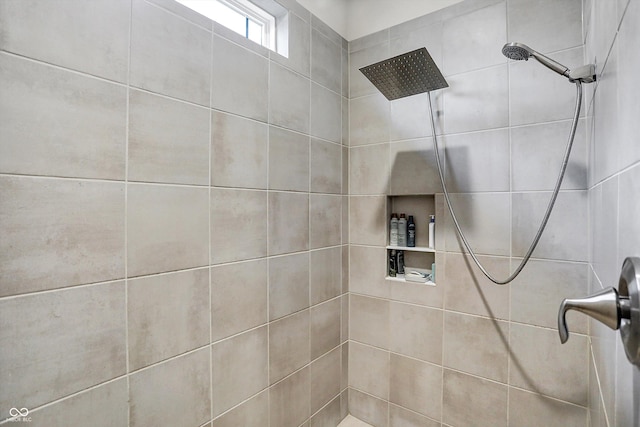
[(617, 309)]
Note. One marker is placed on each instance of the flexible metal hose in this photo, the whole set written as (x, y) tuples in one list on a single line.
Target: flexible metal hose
[(554, 196)]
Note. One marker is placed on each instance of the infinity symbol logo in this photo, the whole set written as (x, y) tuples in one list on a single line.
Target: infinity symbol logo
[(15, 412)]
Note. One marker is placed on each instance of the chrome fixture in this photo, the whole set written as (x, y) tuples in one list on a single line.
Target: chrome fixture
[(415, 72), (520, 51), (618, 309)]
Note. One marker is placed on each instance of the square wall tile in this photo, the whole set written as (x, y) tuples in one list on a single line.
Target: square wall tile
[(289, 400), (238, 225), (325, 220), (369, 119), (238, 152), (476, 345), (58, 233), (169, 55), (369, 320), (537, 148), (86, 322), (288, 222), (288, 345), (359, 85), (102, 406), (398, 416), (299, 46), (474, 40), (325, 167), (167, 228), (543, 365), (325, 276), (289, 99), (369, 170), (329, 415), (326, 57), (416, 385), (532, 410), (238, 297), (186, 379), (418, 331), (167, 315), (546, 25), (240, 368), (410, 117), (240, 80), (289, 165), (466, 106), (565, 237), (478, 161), (288, 284), (368, 221), (251, 413), (59, 123), (471, 401), (367, 271), (49, 33), (325, 327), (413, 167), (326, 114), (367, 408), (325, 379), (369, 369), (168, 140)]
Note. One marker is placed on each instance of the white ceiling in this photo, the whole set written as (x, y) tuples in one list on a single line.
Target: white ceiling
[(353, 19)]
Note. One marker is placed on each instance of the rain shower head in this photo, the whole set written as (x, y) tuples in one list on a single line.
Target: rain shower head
[(404, 75), (520, 51)]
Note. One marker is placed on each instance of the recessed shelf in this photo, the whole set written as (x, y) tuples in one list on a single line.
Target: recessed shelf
[(400, 278), (412, 249)]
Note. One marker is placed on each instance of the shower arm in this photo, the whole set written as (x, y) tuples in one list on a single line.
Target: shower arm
[(552, 201)]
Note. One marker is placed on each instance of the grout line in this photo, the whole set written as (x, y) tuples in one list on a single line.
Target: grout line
[(209, 245)]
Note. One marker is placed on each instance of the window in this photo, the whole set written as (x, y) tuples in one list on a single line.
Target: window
[(256, 23)]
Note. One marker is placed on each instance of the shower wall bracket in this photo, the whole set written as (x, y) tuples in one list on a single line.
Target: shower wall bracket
[(618, 309)]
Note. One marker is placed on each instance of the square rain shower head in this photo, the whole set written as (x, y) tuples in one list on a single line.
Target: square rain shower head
[(404, 75)]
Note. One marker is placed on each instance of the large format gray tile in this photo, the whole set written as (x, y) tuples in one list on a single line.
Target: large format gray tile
[(324, 322), (401, 417), (330, 415), (289, 164), (416, 385), (167, 315), (240, 80), (167, 228), (326, 114), (288, 284), (413, 168), (359, 85), (168, 140), (240, 368), (169, 55), (298, 56), (368, 222), (238, 237), (176, 392), (369, 119), (60, 123), (325, 220), (325, 274), (64, 341), (325, 166), (238, 297), (369, 320), (288, 345), (369, 370), (474, 40), (58, 233), (104, 406), (325, 379), (251, 413), (532, 410), (367, 408), (417, 331), (239, 156), (288, 222), (471, 401), (367, 271), (369, 169), (289, 99), (326, 57), (289, 400), (87, 37)]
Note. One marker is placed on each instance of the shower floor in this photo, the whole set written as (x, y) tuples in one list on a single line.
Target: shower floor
[(351, 421)]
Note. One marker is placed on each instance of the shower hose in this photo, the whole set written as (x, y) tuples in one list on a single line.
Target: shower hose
[(552, 201)]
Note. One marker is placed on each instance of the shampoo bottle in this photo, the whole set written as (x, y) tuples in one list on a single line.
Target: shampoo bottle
[(393, 230), (392, 263), (432, 231), (411, 232), (402, 231)]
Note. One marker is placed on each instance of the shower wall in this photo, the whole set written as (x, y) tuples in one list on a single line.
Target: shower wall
[(171, 207), (612, 40), (467, 352)]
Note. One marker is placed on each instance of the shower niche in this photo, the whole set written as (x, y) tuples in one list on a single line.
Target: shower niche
[(420, 258)]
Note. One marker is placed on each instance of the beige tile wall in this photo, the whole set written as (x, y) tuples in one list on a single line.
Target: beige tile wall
[(468, 352), (173, 213)]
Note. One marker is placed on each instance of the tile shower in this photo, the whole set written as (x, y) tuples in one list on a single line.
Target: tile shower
[(193, 228)]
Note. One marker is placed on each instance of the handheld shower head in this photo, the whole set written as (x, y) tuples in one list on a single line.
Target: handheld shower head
[(520, 51)]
